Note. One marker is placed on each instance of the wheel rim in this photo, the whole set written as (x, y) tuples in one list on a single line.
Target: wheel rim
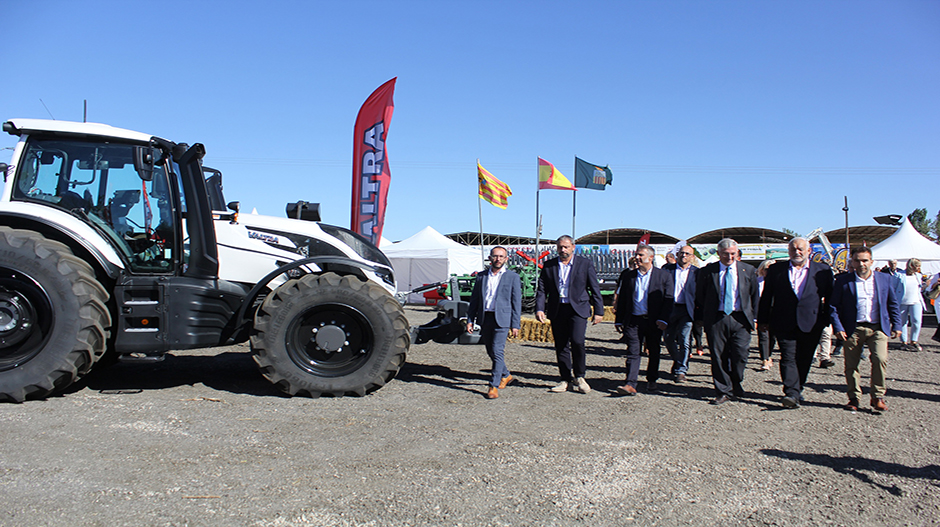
[(26, 318), (330, 340)]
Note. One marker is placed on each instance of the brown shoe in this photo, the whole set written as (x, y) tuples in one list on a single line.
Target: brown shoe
[(878, 404), (852, 406), (680, 378), (505, 382), (493, 393), (626, 389)]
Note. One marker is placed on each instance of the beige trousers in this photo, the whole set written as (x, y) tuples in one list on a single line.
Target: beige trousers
[(877, 343)]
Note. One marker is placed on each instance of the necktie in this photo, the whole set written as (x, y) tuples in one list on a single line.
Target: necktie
[(729, 292)]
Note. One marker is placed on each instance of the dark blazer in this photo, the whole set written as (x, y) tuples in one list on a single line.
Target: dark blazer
[(583, 288), (659, 296), (707, 295), (689, 291), (508, 302), (786, 314), (843, 308)]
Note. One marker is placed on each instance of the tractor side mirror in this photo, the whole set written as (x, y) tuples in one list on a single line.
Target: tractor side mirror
[(144, 159), (3, 168), (234, 206)]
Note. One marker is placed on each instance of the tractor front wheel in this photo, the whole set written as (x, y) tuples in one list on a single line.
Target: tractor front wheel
[(329, 335)]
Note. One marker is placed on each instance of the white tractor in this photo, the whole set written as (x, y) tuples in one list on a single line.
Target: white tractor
[(118, 242)]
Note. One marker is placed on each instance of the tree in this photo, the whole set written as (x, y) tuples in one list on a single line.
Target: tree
[(920, 221), (936, 227), (791, 233)]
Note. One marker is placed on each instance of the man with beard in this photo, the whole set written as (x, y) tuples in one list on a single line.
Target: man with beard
[(497, 300), (794, 307), (567, 289)]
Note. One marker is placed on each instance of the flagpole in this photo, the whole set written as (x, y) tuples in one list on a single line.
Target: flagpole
[(537, 188), (480, 207), (574, 202)]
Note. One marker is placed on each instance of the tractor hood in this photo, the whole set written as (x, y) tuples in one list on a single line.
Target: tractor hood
[(267, 242)]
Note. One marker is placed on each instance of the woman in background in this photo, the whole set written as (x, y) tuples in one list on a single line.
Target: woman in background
[(912, 305)]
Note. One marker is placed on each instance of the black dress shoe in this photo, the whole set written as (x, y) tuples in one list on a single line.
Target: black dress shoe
[(721, 399), (790, 402), (826, 363), (651, 387)]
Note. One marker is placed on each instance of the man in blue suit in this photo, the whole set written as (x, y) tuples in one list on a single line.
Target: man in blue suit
[(496, 302), (644, 305), (567, 290), (795, 308), (864, 311)]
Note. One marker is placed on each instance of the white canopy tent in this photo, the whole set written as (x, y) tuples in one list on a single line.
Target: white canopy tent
[(429, 257), (907, 243)]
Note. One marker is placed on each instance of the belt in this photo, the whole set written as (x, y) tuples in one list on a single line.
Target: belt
[(870, 325)]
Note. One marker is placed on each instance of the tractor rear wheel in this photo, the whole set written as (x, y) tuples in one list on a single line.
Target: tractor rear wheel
[(53, 318), (330, 335)]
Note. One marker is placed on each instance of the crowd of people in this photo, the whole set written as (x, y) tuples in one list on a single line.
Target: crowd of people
[(797, 305)]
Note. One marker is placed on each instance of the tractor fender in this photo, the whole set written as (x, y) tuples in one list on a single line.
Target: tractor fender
[(84, 241)]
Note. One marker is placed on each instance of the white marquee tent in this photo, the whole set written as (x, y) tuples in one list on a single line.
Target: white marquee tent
[(907, 243), (429, 257)]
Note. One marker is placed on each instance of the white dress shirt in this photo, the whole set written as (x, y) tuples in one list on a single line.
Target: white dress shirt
[(492, 282), (682, 276), (867, 299), (564, 271)]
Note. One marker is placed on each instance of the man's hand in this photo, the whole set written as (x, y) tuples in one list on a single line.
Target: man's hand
[(661, 325), (841, 335), (763, 327), (469, 327), (540, 316), (896, 334), (515, 333), (600, 318)]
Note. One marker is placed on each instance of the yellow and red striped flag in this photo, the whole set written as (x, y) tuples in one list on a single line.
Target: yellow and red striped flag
[(550, 177), (492, 189)]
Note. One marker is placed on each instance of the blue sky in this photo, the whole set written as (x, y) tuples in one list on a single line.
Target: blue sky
[(710, 114)]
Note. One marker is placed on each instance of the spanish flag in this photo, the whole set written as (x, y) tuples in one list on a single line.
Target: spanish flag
[(492, 189), (550, 177)]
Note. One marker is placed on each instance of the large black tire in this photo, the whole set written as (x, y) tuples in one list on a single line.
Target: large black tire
[(53, 316), (330, 335)]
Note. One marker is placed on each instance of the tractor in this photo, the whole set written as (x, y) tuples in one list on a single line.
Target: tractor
[(116, 244)]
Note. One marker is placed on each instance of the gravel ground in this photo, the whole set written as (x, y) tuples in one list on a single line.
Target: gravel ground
[(203, 439)]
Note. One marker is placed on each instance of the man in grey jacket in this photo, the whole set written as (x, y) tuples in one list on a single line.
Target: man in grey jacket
[(496, 303)]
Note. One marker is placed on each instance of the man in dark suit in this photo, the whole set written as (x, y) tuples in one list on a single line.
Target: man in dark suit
[(644, 304), (864, 311), (794, 307), (496, 301), (679, 329), (726, 303), (567, 289)]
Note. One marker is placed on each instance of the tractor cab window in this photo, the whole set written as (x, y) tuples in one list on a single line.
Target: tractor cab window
[(98, 182)]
